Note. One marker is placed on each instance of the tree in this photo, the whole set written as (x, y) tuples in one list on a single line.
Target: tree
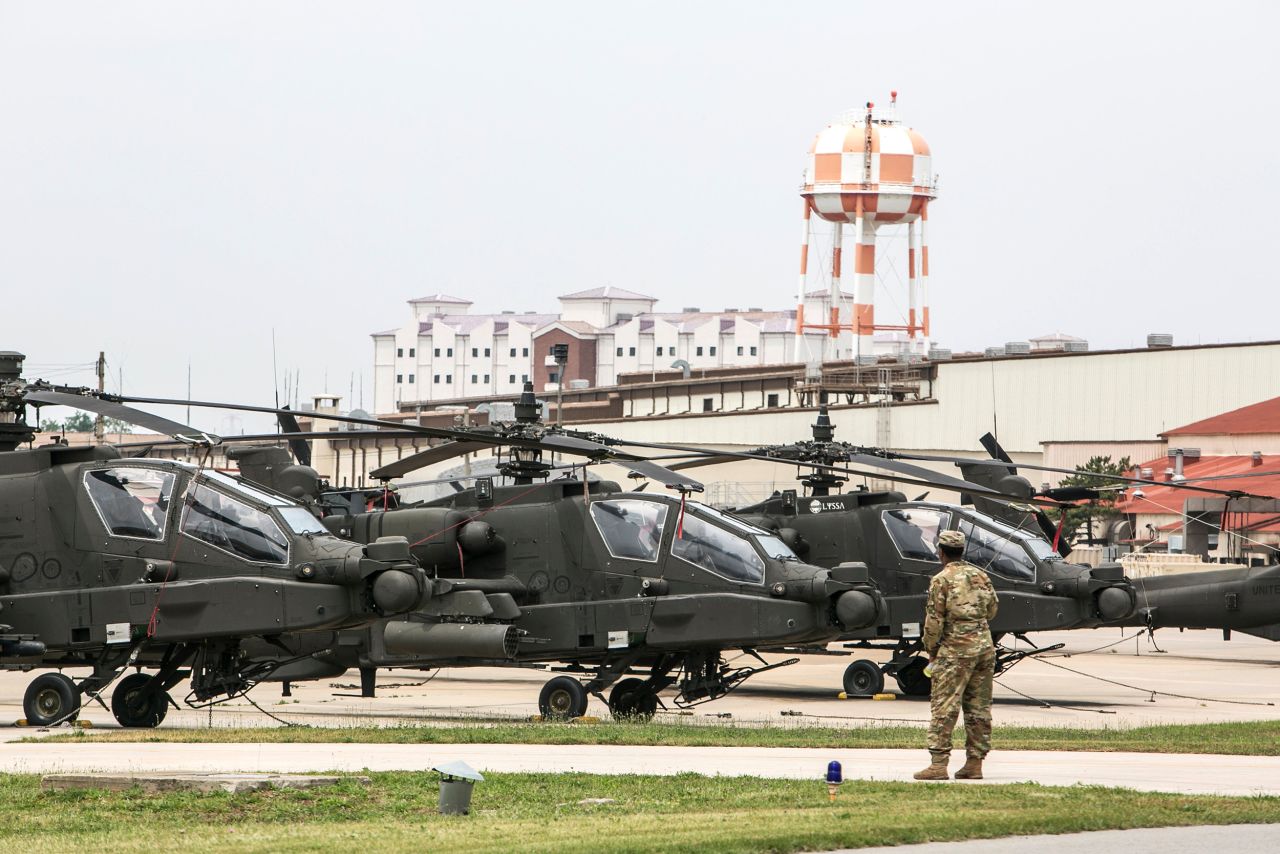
[(82, 422), (1096, 514)]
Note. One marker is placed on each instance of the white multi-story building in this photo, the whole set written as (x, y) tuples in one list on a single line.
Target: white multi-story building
[(444, 352)]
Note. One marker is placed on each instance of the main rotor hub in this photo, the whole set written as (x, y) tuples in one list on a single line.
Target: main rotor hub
[(14, 430)]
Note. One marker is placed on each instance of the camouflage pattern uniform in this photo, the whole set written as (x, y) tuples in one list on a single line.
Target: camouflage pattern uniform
[(957, 637)]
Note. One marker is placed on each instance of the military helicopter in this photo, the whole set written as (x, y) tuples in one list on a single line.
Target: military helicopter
[(897, 539), (647, 589), (108, 562), (1244, 599)]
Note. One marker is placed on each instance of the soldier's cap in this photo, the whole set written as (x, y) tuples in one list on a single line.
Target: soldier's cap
[(951, 540)]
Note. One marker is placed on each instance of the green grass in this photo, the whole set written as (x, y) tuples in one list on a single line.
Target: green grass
[(1252, 738), (541, 812)]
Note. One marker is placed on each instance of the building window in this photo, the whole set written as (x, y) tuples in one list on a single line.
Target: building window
[(486, 352), (659, 351), (739, 351), (713, 351), (399, 378), (474, 379), (436, 379), (448, 378), (631, 351), (524, 378), (513, 351), (410, 379), (619, 351), (449, 352), (512, 379), (475, 351), (524, 351), (437, 352), (399, 352), (753, 351), (413, 351), (708, 403), (554, 377), (486, 379), (699, 351), (771, 401)]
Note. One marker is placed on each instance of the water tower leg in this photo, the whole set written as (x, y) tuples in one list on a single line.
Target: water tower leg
[(837, 244), (800, 288), (912, 295), (924, 269), (864, 295)]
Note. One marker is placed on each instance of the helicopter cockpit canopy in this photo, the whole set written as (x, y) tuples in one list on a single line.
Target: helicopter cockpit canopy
[(991, 544), (705, 537)]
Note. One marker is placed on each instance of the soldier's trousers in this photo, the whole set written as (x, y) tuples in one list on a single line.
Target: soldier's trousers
[(961, 682)]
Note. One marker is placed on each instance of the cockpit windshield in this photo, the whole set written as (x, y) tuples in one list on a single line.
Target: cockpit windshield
[(915, 531), (631, 527), (230, 524), (723, 552), (1002, 553), (1039, 546)]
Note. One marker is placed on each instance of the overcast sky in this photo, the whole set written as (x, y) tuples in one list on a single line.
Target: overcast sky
[(179, 179)]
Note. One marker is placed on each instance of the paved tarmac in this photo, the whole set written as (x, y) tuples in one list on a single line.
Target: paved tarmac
[(1188, 774), (1233, 838), (1129, 683)]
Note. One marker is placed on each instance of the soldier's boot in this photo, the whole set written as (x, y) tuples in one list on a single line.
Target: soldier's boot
[(937, 769), (972, 769)]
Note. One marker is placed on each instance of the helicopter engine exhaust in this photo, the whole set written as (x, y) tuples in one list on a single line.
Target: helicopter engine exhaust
[(451, 640)]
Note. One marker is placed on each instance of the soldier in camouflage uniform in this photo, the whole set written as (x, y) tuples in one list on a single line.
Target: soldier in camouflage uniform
[(962, 659)]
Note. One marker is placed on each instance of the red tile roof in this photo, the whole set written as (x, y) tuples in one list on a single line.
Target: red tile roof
[(1168, 499), (1261, 417)]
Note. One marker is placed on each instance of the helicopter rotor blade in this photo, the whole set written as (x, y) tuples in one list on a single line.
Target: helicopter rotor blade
[(301, 448), (715, 460), (275, 438), (110, 409), (423, 458), (943, 481)]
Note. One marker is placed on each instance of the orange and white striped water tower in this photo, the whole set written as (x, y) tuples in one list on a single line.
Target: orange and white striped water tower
[(867, 169)]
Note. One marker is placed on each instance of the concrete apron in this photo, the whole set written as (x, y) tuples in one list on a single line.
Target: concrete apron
[(1155, 772)]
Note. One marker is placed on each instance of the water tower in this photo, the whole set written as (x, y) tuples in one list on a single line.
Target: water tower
[(867, 169)]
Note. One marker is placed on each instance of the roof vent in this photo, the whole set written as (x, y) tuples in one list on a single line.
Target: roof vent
[(1017, 348), (755, 308), (691, 309), (1158, 340), (939, 354), (1075, 346), (992, 352), (1256, 458), (730, 309), (1147, 473), (508, 311)]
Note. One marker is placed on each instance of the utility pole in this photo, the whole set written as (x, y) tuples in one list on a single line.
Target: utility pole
[(99, 425)]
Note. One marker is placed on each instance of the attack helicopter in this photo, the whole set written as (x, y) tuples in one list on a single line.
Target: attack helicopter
[(897, 539), (109, 562), (636, 591), (1244, 599)]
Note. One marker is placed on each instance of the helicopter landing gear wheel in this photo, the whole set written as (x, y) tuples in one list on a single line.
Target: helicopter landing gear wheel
[(632, 700), (562, 698), (139, 702), (863, 678), (51, 698), (911, 678)]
